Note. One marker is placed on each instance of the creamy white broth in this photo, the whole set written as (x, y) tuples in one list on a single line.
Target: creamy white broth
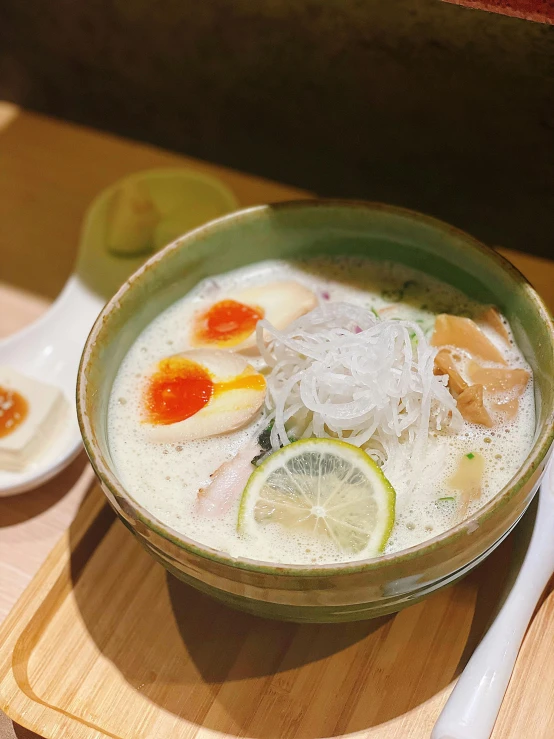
[(166, 478)]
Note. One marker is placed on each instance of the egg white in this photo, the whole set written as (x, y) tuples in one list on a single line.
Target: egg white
[(281, 303), (225, 411)]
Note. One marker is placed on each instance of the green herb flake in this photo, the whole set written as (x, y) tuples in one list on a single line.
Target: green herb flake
[(471, 455), (264, 440), (446, 499), (375, 313)]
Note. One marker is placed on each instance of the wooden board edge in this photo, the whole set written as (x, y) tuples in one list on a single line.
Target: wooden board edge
[(54, 576)]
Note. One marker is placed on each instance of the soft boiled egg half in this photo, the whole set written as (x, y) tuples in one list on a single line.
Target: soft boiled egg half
[(231, 323), (201, 393)]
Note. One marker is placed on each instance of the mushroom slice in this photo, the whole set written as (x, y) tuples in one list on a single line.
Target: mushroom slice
[(472, 406), (492, 318), (508, 408), (464, 333), (445, 365), (503, 384), (499, 380)]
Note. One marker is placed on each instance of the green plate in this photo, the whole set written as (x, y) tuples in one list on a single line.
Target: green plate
[(134, 218)]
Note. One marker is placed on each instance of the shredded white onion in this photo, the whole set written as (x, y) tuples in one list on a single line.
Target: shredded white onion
[(342, 372)]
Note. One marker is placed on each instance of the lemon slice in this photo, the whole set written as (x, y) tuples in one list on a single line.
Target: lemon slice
[(324, 488)]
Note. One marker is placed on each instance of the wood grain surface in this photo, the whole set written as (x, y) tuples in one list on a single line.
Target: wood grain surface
[(96, 647), (104, 643)]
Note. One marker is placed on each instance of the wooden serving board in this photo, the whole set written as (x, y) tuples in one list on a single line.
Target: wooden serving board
[(104, 643)]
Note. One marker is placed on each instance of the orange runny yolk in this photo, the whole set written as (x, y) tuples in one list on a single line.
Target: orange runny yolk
[(181, 388), (226, 323), (13, 410)]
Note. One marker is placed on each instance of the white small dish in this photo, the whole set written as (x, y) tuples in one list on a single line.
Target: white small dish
[(49, 350)]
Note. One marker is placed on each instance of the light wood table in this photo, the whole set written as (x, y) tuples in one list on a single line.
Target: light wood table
[(49, 173)]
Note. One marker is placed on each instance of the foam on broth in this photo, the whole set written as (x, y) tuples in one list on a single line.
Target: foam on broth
[(165, 478)]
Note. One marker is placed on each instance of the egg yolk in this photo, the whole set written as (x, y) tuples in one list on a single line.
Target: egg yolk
[(246, 381), (179, 389), (13, 410), (226, 323)]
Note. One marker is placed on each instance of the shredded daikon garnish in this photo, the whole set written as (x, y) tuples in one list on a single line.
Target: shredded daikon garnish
[(341, 372)]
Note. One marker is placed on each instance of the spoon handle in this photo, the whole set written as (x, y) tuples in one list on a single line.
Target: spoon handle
[(472, 709), (60, 333)]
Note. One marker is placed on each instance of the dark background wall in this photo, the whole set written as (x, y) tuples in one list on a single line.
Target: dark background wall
[(414, 102)]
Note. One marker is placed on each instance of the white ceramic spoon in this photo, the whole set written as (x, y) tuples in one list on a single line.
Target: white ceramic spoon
[(50, 349), (473, 706)]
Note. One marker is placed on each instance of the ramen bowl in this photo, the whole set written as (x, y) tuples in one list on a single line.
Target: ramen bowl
[(336, 592)]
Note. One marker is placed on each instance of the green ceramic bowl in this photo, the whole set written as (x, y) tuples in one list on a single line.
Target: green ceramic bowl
[(333, 592)]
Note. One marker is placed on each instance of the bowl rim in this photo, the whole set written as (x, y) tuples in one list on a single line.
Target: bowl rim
[(538, 452)]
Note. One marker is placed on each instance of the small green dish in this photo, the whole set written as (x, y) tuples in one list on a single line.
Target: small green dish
[(287, 230), (140, 214)]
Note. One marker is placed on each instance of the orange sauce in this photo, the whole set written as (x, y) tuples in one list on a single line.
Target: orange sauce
[(253, 381), (179, 389), (14, 409), (226, 323)]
